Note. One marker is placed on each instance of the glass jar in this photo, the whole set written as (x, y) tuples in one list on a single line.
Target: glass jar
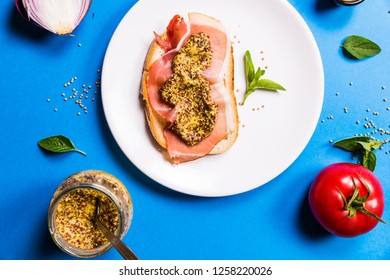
[(72, 212), (348, 2)]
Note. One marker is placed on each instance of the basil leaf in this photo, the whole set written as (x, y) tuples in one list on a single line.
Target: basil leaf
[(369, 160), (375, 144), (249, 68), (360, 47), (267, 84), (371, 145), (351, 144), (253, 80), (256, 77), (59, 144), (365, 146)]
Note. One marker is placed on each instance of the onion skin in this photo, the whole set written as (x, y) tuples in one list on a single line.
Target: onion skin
[(21, 9), (64, 24)]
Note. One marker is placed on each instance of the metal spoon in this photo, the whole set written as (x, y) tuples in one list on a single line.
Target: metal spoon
[(121, 247)]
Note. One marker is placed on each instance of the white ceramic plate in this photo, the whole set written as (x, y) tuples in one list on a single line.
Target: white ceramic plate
[(274, 127)]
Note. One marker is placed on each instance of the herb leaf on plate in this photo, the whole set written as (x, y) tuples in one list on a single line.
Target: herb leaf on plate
[(268, 84), (253, 79)]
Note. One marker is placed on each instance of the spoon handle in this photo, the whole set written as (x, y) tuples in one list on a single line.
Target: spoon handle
[(122, 249)]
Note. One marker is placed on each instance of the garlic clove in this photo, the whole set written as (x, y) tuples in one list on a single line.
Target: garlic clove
[(58, 16)]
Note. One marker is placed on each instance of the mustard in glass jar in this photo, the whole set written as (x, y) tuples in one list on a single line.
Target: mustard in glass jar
[(73, 206)]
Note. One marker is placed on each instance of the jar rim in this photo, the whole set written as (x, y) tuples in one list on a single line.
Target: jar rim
[(349, 3)]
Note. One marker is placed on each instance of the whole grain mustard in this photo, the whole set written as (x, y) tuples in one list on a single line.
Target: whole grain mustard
[(190, 92), (75, 218)]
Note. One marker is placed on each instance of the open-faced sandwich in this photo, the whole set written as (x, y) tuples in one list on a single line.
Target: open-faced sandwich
[(188, 88)]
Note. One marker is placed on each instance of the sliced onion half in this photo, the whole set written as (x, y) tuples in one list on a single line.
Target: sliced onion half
[(58, 16)]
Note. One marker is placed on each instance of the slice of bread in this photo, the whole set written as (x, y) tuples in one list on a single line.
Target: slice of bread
[(226, 86)]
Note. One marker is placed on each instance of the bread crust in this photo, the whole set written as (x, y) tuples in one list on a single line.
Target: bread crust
[(157, 124)]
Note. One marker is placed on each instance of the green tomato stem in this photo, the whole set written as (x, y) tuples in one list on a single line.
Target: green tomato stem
[(356, 203)]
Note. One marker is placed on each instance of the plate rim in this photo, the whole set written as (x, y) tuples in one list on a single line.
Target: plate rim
[(162, 181)]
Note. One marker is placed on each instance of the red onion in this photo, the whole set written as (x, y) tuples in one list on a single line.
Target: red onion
[(58, 16)]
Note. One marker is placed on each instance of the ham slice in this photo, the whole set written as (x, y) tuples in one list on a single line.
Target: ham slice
[(176, 30), (179, 152), (160, 72), (218, 43)]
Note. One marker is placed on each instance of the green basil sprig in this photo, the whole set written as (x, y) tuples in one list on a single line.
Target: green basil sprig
[(363, 145), (59, 144), (360, 47), (253, 78)]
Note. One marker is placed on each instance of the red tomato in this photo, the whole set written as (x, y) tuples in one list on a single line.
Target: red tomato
[(346, 199)]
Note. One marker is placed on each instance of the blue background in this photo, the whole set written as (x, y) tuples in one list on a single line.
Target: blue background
[(270, 222)]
